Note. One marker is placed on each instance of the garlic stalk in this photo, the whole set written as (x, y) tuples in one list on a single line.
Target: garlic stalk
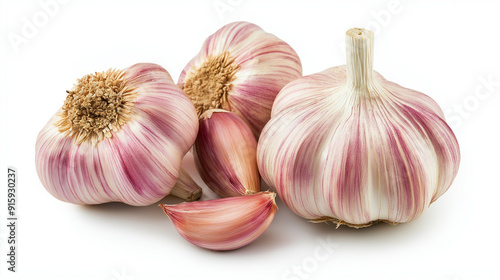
[(348, 146), (120, 136), (225, 154), (223, 224), (240, 68)]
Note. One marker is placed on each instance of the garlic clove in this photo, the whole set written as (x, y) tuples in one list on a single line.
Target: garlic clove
[(223, 224), (225, 154), (120, 136), (186, 188), (348, 146), (240, 68)]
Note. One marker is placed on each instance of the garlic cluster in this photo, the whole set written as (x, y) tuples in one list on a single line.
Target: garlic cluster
[(223, 224), (344, 145), (120, 136), (240, 68), (225, 154), (348, 146)]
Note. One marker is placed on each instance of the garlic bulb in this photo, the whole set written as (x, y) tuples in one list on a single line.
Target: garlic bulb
[(223, 224), (120, 136), (240, 68), (348, 146), (225, 154)]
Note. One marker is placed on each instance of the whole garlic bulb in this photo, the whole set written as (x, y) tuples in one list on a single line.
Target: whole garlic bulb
[(120, 136), (240, 68), (348, 146)]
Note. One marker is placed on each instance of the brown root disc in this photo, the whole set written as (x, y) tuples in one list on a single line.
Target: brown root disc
[(97, 104), (208, 86)]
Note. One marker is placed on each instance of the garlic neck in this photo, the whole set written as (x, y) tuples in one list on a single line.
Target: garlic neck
[(359, 44)]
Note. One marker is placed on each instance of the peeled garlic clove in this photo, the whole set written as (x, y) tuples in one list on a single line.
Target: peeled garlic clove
[(120, 136), (225, 154), (223, 224), (240, 68), (346, 145)]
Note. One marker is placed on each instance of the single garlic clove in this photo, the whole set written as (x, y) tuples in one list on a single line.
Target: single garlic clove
[(348, 146), (225, 154), (186, 188), (240, 68), (120, 136), (223, 224)]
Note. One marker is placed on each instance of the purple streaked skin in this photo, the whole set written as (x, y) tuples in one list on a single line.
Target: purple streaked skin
[(335, 155), (266, 64), (225, 154), (139, 164), (223, 224)]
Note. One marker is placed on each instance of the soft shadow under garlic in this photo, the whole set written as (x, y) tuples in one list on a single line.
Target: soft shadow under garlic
[(147, 221)]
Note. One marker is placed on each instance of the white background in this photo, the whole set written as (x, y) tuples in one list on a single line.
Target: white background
[(445, 49)]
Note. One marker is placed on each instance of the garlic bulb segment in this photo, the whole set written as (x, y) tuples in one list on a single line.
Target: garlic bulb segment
[(186, 188), (240, 68), (119, 136), (223, 224), (348, 146), (225, 154)]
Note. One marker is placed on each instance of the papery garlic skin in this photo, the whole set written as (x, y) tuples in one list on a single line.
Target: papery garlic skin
[(226, 223), (348, 146), (225, 154), (136, 161), (240, 68)]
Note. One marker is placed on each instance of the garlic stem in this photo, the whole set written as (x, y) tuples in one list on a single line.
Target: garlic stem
[(186, 188), (359, 49)]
